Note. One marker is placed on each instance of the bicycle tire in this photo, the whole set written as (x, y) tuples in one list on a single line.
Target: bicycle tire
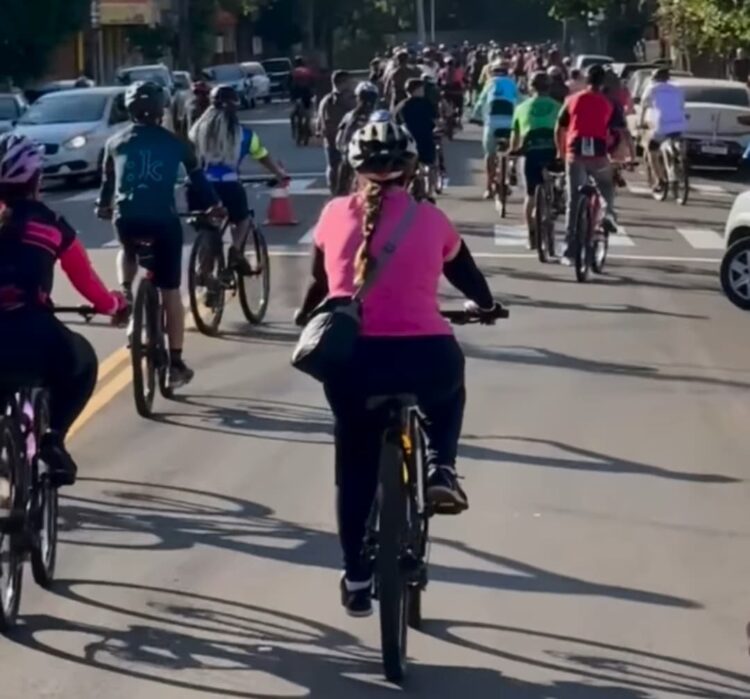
[(599, 252), (159, 323), (144, 387), (682, 182), (540, 224), (501, 186), (262, 261), (206, 245), (420, 531), (45, 504), (391, 582), (582, 240), (12, 518)]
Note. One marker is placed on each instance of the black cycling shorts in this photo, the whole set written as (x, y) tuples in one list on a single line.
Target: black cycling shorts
[(234, 199), (534, 164), (165, 254)]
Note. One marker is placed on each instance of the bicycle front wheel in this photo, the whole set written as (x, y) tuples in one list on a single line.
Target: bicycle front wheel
[(681, 184), (44, 545), (12, 513), (142, 349), (501, 186), (391, 580), (255, 289), (206, 291)]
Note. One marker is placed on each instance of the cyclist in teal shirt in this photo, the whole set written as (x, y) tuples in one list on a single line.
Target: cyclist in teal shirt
[(494, 109), (141, 167)]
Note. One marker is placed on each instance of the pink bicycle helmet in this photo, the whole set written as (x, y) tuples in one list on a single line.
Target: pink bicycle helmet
[(20, 159)]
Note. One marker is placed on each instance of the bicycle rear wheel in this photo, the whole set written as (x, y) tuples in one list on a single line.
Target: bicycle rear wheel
[(584, 225), (12, 514), (418, 524), (542, 216), (142, 350), (391, 581), (681, 185), (255, 290), (599, 251), (501, 186), (206, 290), (45, 504)]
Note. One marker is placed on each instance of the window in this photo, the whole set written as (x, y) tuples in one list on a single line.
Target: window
[(254, 69), (119, 112), (277, 65), (717, 94), (62, 108), (9, 109), (226, 74)]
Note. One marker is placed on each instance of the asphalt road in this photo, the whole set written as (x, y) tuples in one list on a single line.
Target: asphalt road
[(606, 455)]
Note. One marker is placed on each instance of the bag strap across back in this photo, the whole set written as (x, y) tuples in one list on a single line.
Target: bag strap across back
[(389, 249)]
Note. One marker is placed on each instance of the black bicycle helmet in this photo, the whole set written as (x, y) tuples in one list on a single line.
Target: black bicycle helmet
[(661, 74), (596, 75), (224, 96), (145, 100), (540, 81)]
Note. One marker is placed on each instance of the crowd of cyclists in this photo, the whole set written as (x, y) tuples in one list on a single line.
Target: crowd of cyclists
[(376, 134)]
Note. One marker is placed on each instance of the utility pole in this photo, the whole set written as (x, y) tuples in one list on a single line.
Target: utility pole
[(421, 25), (432, 21), (184, 35)]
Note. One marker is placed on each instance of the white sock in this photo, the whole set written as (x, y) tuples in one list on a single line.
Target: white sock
[(356, 586)]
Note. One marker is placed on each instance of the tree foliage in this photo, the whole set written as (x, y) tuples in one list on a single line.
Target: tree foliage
[(31, 31), (708, 25)]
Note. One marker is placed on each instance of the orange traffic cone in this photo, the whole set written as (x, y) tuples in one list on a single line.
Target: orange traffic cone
[(280, 209)]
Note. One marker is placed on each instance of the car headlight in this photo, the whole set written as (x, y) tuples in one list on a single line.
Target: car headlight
[(76, 142)]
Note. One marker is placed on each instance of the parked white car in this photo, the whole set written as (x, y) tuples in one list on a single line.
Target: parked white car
[(231, 74), (12, 106), (718, 113), (735, 267), (261, 83), (73, 127), (585, 60)]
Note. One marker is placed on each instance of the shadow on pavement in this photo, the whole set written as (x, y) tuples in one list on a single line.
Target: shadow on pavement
[(254, 418), (624, 667), (541, 356), (582, 460), (148, 517), (195, 642), (261, 334)]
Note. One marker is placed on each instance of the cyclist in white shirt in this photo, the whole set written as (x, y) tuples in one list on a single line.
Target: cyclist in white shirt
[(666, 102)]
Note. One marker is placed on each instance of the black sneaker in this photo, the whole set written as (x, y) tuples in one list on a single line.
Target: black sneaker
[(179, 375), (52, 451), (239, 263), (444, 493), (358, 603)]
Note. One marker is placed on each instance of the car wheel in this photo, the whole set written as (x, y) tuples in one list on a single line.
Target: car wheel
[(735, 273)]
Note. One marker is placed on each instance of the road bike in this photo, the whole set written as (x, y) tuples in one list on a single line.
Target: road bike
[(501, 183), (397, 533), (674, 162), (28, 496), (300, 123), (549, 203), (211, 275), (591, 242)]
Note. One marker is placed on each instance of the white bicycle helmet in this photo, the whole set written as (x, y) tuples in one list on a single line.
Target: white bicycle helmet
[(382, 149), (20, 159), (366, 87)]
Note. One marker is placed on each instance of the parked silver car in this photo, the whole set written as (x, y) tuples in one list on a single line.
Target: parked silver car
[(73, 127), (231, 74), (12, 107)]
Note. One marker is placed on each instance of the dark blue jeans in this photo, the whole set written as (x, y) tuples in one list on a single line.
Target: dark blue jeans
[(333, 163), (432, 368)]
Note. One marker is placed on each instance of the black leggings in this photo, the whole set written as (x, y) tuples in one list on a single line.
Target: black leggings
[(35, 343), (430, 367)]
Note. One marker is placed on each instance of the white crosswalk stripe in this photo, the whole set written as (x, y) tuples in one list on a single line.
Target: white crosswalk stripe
[(510, 235), (702, 238)]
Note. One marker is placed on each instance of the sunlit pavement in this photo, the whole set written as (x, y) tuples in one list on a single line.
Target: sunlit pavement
[(605, 452)]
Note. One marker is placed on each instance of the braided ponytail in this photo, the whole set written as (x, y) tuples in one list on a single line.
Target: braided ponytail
[(373, 195)]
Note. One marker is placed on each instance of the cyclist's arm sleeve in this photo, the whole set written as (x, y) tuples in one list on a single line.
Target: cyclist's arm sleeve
[(78, 268), (107, 190), (462, 272)]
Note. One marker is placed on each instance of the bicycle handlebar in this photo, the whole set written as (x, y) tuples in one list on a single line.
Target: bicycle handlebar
[(469, 316), (86, 312)]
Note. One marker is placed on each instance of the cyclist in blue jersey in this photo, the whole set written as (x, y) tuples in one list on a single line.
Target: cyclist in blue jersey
[(222, 143), (494, 110)]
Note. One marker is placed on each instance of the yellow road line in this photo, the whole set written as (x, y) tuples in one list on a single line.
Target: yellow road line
[(112, 363)]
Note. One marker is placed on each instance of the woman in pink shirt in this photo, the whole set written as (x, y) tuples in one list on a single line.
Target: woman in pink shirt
[(405, 345)]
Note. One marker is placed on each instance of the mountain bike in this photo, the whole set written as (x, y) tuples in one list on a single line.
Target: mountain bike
[(211, 275), (397, 534), (28, 497), (674, 162), (591, 243)]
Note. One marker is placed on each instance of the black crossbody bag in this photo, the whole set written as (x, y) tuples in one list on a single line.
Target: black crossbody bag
[(327, 341)]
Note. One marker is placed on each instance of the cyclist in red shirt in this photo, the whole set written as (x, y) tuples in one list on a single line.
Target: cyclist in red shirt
[(303, 83), (582, 137)]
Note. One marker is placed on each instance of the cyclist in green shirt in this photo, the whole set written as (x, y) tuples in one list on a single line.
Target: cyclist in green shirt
[(533, 134)]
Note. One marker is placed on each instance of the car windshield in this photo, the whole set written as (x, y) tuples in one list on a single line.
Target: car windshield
[(182, 81), (276, 66), (594, 60), (254, 69), (66, 109), (717, 94), (226, 73), (8, 108), (148, 75)]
